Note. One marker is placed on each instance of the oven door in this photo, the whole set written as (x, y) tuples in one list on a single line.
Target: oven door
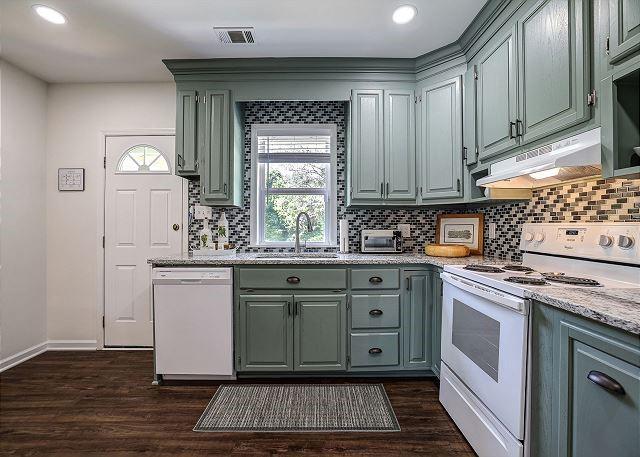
[(484, 343)]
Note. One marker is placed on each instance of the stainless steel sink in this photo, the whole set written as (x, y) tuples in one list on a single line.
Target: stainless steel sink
[(302, 255)]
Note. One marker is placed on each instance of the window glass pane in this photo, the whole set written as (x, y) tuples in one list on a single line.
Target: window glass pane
[(280, 217), (143, 159), (159, 164), (297, 175), (317, 144)]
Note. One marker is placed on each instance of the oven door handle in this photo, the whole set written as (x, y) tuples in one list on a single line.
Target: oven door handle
[(506, 300)]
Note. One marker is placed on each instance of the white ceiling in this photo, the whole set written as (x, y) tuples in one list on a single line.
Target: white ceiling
[(125, 40)]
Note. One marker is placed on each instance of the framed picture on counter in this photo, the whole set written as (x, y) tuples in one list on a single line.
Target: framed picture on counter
[(464, 229)]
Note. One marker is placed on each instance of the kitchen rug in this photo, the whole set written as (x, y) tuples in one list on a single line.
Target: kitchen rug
[(299, 408)]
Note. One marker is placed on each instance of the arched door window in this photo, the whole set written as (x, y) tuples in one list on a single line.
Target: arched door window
[(143, 159)]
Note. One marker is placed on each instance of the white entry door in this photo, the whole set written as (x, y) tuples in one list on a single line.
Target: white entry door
[(143, 218)]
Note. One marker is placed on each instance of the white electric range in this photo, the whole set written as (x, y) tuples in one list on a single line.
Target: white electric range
[(485, 322)]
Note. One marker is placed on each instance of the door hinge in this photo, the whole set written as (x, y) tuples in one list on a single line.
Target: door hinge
[(103, 321), (464, 154), (475, 72), (421, 191), (607, 48), (102, 241), (197, 98), (415, 99), (591, 98), (477, 152), (458, 184), (349, 302), (348, 359), (104, 162)]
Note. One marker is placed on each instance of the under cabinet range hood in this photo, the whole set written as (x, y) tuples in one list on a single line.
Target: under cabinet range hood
[(572, 158)]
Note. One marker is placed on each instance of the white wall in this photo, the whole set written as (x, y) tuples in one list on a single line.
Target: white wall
[(76, 115), (23, 310)]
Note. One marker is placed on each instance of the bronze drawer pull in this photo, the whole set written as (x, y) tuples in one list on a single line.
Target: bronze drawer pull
[(373, 351), (293, 280), (375, 312), (606, 382), (375, 279)]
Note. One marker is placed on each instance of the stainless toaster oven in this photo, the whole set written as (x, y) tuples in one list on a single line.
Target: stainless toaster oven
[(381, 241)]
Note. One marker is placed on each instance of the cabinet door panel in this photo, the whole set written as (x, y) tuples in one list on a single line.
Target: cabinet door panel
[(437, 323), (417, 320), (597, 413), (399, 151), (496, 97), (217, 146), (442, 140), (320, 332), (624, 28), (553, 66), (186, 133), (367, 162), (469, 113), (265, 333)]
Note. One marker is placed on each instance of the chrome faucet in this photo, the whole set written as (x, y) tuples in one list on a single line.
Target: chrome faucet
[(296, 248)]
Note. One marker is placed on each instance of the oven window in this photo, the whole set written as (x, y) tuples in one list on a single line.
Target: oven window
[(477, 336)]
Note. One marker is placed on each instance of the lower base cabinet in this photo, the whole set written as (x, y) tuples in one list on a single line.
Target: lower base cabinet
[(417, 319), (292, 332), (585, 388)]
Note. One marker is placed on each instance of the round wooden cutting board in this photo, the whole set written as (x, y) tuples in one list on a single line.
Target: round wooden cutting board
[(446, 250)]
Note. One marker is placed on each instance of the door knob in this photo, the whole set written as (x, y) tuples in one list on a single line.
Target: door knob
[(176, 227)]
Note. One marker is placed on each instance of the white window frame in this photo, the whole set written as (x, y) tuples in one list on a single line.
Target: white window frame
[(257, 201)]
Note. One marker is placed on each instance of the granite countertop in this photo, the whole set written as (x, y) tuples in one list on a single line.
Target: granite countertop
[(341, 259), (618, 308)]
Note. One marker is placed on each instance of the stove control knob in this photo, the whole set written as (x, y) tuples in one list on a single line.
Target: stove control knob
[(539, 237), (625, 242), (528, 236), (605, 241)]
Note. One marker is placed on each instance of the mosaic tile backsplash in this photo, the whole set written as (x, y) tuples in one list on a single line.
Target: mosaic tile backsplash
[(592, 200)]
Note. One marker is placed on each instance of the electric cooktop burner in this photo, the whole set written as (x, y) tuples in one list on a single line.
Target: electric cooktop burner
[(517, 268), (484, 268), (572, 280), (527, 280)]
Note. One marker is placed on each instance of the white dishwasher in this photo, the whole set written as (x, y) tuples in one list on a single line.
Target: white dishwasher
[(193, 323)]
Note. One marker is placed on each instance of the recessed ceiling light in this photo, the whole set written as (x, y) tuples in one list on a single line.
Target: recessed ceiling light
[(404, 14), (49, 14)]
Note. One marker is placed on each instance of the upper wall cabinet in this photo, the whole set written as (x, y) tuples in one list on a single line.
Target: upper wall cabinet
[(496, 109), (382, 163), (441, 140), (624, 28), (209, 144), (187, 133), (553, 67)]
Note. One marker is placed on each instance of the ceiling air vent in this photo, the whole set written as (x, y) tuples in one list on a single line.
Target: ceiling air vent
[(235, 35)]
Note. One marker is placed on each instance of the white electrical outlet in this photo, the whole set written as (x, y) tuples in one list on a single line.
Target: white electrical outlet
[(203, 212), (405, 229), (492, 230)]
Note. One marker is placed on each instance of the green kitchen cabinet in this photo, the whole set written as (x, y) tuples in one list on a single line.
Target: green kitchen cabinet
[(187, 143), (265, 333), (441, 140), (624, 29), (553, 67), (417, 319), (585, 387), (436, 331), (320, 332), (496, 96), (367, 145), (399, 146), (383, 158)]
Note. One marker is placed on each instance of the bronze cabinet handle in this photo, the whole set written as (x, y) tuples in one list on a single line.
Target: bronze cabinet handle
[(519, 128), (511, 126), (606, 382), (293, 280), (375, 279), (373, 351), (375, 312)]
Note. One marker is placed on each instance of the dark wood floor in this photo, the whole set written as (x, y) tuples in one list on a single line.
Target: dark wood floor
[(102, 403)]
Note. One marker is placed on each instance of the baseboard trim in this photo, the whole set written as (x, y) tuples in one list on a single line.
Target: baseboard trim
[(22, 356), (72, 345)]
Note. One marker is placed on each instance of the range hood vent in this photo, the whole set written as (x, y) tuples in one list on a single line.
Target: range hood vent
[(565, 160), (235, 35)]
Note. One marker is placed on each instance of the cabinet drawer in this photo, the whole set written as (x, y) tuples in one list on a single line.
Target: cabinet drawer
[(375, 311), (379, 278), (375, 349), (292, 278)]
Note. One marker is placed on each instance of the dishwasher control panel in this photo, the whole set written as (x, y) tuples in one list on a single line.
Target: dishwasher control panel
[(192, 274)]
